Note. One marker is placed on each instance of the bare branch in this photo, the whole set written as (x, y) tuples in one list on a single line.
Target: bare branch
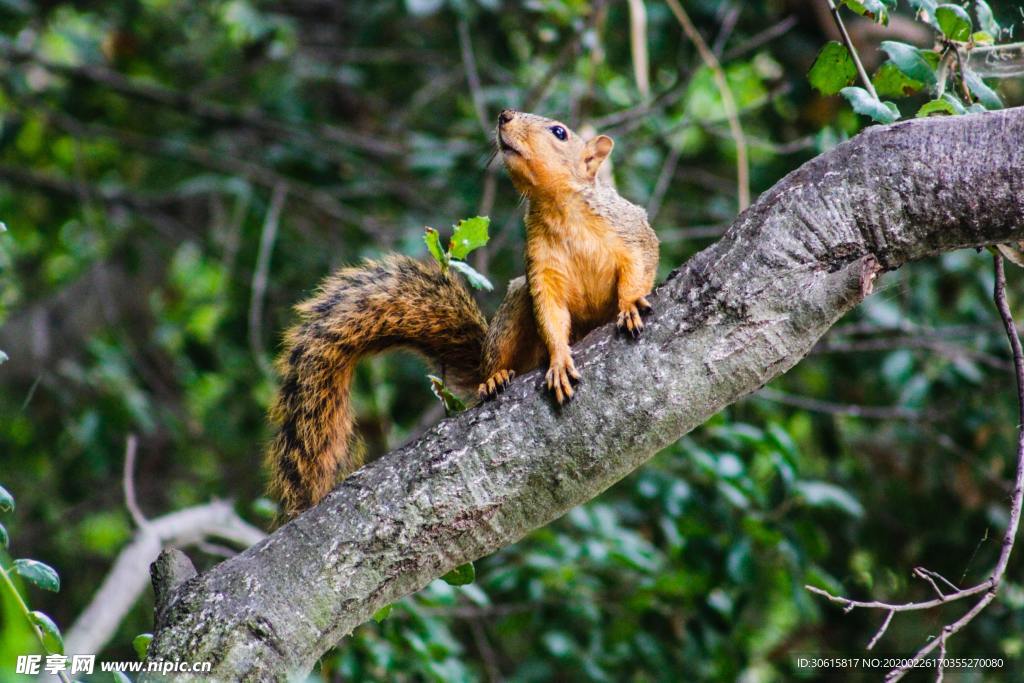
[(990, 586), (847, 409), (761, 38), (638, 47), (128, 482), (473, 77), (881, 630), (728, 102), (260, 275), (129, 575)]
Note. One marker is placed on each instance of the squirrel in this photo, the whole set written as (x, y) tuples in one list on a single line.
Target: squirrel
[(591, 257)]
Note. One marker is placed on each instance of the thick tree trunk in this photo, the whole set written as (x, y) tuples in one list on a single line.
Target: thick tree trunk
[(735, 316)]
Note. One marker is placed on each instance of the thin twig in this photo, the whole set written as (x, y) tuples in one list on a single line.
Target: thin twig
[(881, 630), (539, 90), (668, 170), (853, 50), (926, 575), (728, 25), (935, 344), (128, 482), (935, 575), (758, 39), (486, 650), (847, 409), (260, 276), (849, 605), (638, 47), (473, 77), (997, 61), (940, 665), (728, 102), (990, 586)]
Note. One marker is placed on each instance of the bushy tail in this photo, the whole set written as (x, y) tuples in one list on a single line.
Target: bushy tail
[(395, 302)]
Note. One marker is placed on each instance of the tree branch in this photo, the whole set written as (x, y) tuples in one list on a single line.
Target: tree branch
[(130, 573), (735, 316), (728, 102)]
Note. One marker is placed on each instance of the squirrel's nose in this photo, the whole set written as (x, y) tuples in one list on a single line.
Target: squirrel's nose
[(505, 116)]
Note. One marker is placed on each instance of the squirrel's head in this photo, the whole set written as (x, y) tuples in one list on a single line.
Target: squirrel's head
[(544, 157)]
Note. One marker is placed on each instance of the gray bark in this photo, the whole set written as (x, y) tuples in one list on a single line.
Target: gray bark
[(735, 316)]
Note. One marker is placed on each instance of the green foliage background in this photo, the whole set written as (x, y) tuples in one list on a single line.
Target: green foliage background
[(140, 142)]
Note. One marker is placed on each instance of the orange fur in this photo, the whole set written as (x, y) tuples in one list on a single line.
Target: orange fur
[(590, 255), (591, 258)]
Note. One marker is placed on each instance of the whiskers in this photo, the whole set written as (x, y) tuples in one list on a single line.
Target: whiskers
[(491, 156)]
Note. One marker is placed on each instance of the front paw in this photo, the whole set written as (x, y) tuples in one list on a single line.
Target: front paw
[(562, 374), (629, 320)]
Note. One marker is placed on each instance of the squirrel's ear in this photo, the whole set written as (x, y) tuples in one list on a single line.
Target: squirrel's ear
[(595, 152)]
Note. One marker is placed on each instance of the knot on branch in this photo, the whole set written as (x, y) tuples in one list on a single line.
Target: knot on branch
[(169, 572)]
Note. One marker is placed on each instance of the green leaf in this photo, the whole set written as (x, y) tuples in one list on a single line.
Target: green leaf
[(141, 644), (452, 403), (38, 574), (878, 10), (889, 81), (821, 494), (833, 69), (475, 279), (982, 38), (6, 499), (5, 539), (863, 103), (986, 95), (954, 22), (120, 677), (460, 576), (986, 19), (926, 9), (909, 60), (265, 508), (955, 102), (383, 613), (942, 107), (469, 234), (53, 642), (3, 227), (433, 241)]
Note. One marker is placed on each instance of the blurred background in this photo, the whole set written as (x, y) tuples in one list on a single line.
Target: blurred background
[(174, 176)]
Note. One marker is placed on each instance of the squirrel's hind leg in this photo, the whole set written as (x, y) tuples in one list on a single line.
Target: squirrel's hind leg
[(634, 284), (495, 384), (512, 346)]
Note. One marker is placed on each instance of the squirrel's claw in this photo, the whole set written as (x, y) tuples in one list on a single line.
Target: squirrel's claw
[(629, 320), (495, 384), (561, 376)]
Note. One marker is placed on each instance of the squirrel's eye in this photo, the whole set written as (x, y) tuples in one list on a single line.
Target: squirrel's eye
[(559, 132)]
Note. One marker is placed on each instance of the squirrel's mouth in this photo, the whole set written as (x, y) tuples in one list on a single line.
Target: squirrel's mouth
[(505, 147)]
